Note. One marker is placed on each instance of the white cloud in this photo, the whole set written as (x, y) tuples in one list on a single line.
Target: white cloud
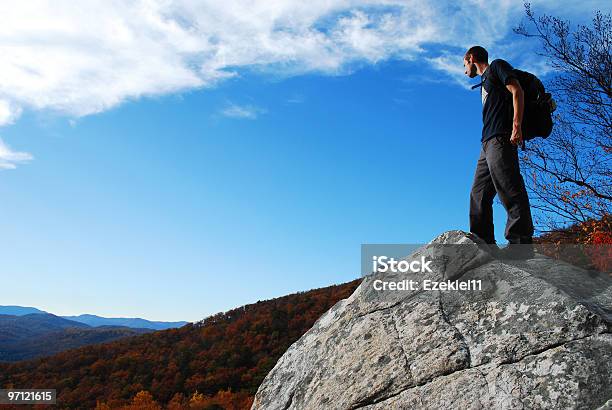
[(242, 111), (9, 158), (8, 112), (296, 99), (80, 58), (452, 65)]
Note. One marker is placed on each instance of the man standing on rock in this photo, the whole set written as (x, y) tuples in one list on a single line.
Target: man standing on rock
[(497, 170)]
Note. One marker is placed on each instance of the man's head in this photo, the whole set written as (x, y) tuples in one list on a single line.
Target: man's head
[(476, 57)]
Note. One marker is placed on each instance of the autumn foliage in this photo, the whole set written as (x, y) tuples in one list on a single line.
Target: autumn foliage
[(217, 363), (587, 244)]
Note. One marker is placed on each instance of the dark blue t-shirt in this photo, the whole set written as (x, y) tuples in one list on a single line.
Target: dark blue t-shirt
[(497, 109)]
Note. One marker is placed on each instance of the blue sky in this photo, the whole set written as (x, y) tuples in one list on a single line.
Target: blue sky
[(170, 172)]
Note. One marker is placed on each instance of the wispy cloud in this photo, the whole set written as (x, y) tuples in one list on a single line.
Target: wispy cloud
[(249, 112), (8, 113), (9, 158), (296, 99), (79, 58), (452, 66)]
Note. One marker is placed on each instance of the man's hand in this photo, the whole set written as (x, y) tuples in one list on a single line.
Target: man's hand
[(517, 134)]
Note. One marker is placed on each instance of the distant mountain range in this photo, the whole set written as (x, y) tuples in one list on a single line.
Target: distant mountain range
[(28, 332), (138, 323), (216, 363), (19, 310), (95, 321), (42, 334)]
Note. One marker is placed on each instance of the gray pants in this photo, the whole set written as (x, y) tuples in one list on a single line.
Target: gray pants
[(498, 172)]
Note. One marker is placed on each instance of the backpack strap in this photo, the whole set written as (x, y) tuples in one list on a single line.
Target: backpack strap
[(497, 83), (495, 80)]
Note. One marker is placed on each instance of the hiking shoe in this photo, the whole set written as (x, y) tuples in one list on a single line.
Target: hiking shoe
[(491, 248), (517, 251)]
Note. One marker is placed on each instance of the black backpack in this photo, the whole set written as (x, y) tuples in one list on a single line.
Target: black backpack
[(538, 108)]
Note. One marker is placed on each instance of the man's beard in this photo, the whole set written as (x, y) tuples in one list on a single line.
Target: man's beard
[(473, 71)]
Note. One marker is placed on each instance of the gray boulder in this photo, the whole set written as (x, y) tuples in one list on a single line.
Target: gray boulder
[(535, 334)]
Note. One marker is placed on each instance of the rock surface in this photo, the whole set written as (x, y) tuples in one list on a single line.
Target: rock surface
[(536, 335)]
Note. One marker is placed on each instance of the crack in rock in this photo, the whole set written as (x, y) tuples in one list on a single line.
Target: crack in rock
[(399, 339), (380, 395), (397, 303), (461, 336), (489, 365), (290, 401)]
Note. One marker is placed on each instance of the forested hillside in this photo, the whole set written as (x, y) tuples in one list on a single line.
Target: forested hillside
[(223, 358)]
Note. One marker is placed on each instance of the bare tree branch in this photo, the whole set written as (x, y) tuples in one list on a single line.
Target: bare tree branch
[(571, 172)]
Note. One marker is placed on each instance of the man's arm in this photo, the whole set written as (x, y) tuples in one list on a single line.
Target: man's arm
[(518, 104)]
